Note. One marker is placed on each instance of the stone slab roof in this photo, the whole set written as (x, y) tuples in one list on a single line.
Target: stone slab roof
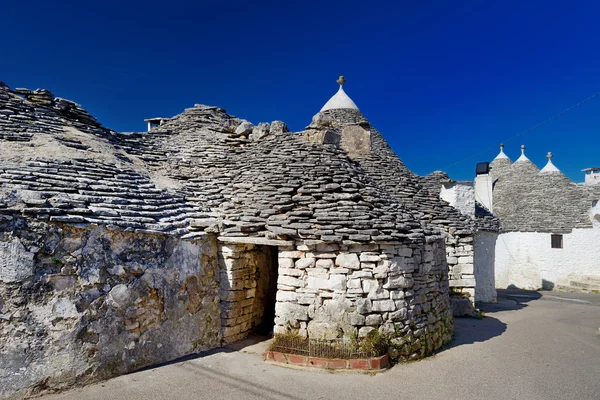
[(200, 171), (384, 166), (529, 201)]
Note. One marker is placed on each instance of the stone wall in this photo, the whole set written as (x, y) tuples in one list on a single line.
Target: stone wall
[(246, 274), (461, 264), (328, 291), (460, 196), (78, 305)]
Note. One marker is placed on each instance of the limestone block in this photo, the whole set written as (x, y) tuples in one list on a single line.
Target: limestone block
[(383, 305), (291, 254), (401, 264), (398, 315), (373, 320), (286, 263), (290, 271), (465, 260), (291, 311), (325, 263), (460, 269), (354, 284), (318, 254), (290, 281), (378, 294), (405, 252), (361, 274), (317, 283), (367, 257), (278, 127), (370, 285), (359, 248), (398, 282), (357, 319), (306, 298), (452, 260), (318, 273), (428, 256), (64, 308), (283, 295), (347, 260), (356, 140), (244, 129), (327, 247), (16, 263), (387, 328), (304, 263), (119, 297), (382, 269), (365, 330), (364, 306), (344, 271), (464, 282), (337, 282)]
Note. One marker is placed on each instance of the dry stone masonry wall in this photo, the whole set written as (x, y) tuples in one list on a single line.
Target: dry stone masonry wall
[(419, 194), (328, 291)]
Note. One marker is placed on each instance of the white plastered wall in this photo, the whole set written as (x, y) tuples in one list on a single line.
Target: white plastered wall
[(526, 259), (460, 196), (483, 191)]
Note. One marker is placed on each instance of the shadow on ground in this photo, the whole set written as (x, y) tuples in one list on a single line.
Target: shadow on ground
[(467, 330), (257, 344), (510, 300), (472, 330)]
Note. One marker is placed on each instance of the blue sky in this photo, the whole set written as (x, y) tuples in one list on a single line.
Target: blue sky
[(442, 80)]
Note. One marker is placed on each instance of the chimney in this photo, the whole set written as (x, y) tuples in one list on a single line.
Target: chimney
[(592, 176)]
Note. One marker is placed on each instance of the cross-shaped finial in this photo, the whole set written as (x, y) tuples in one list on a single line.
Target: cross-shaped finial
[(549, 156), (501, 146), (341, 80), (523, 148)]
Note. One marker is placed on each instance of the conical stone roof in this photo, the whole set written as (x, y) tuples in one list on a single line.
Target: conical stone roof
[(200, 171), (382, 164), (500, 164), (529, 200)]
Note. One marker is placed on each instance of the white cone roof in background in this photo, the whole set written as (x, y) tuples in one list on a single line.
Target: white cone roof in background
[(523, 157), (549, 166), (502, 155), (340, 99)]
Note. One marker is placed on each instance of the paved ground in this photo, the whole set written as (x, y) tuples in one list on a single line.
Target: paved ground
[(532, 345)]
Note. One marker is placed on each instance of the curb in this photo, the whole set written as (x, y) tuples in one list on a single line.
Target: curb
[(372, 364)]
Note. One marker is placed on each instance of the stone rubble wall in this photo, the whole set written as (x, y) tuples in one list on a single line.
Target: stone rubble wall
[(421, 195), (461, 264), (78, 305), (329, 291), (244, 271)]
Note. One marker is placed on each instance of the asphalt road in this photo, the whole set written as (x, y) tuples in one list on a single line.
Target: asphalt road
[(532, 345)]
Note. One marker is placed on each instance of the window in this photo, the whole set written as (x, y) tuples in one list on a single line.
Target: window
[(557, 241)]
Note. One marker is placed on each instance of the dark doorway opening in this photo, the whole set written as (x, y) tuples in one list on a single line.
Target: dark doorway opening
[(266, 291)]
